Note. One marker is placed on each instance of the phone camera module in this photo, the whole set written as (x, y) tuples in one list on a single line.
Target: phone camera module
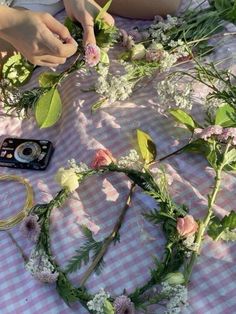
[(27, 152)]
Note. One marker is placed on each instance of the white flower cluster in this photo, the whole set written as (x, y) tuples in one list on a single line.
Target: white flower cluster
[(114, 88), (131, 160), (189, 243), (40, 267), (78, 168), (158, 30), (172, 91), (178, 297), (97, 303)]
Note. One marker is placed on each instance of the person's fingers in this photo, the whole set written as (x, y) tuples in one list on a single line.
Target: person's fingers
[(52, 59), (57, 47), (56, 27), (109, 19)]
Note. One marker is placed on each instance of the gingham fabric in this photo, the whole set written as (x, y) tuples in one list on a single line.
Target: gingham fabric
[(98, 201)]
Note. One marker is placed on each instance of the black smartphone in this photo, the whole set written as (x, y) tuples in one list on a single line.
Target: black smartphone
[(26, 153)]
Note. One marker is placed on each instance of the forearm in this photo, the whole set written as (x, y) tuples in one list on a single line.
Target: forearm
[(142, 9), (7, 16)]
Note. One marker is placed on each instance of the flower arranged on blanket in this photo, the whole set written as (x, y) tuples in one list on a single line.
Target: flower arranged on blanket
[(103, 157), (208, 132), (40, 267), (98, 302), (123, 305), (177, 297), (67, 178), (30, 227), (187, 226), (92, 55)]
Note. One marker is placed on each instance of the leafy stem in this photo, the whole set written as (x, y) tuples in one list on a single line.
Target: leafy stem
[(204, 224), (113, 235)]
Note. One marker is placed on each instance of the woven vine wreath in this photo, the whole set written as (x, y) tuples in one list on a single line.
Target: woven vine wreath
[(165, 279)]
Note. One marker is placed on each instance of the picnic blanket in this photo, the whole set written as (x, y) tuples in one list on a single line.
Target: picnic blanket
[(98, 201)]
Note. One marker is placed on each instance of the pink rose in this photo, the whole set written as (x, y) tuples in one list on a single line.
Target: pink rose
[(92, 55), (187, 226), (103, 157)]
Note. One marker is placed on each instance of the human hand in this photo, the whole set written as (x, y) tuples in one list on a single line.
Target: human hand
[(38, 36), (85, 11)]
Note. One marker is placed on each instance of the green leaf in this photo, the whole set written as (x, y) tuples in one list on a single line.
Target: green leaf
[(104, 57), (225, 116), (17, 70), (230, 157), (82, 255), (103, 10), (108, 308), (146, 146), (223, 229), (75, 29), (207, 149), (184, 118), (48, 79), (48, 108), (65, 289)]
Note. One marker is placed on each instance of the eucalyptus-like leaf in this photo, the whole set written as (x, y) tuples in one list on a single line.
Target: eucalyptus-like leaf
[(225, 116), (48, 108), (146, 146), (17, 70), (184, 118), (48, 79)]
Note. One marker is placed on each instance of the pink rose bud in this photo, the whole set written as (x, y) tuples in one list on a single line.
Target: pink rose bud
[(103, 157), (92, 55), (186, 226)]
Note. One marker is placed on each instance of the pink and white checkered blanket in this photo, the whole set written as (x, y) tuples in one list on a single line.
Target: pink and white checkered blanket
[(98, 201)]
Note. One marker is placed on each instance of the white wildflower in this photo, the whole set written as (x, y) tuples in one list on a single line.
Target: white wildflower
[(189, 243), (114, 88), (175, 93), (97, 303), (177, 296), (78, 168), (40, 267), (132, 160)]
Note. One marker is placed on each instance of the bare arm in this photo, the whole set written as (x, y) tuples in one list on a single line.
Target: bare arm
[(33, 34)]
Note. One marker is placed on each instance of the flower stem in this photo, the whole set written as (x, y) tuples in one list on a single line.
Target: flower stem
[(22, 253), (204, 224), (110, 238)]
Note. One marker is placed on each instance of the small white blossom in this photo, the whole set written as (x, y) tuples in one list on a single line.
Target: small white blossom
[(177, 296), (175, 93), (40, 267), (78, 168), (189, 243), (132, 160), (97, 303)]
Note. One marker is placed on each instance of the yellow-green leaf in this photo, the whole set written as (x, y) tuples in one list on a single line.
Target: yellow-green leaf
[(103, 10), (48, 79), (48, 108), (225, 116), (146, 146), (184, 118)]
